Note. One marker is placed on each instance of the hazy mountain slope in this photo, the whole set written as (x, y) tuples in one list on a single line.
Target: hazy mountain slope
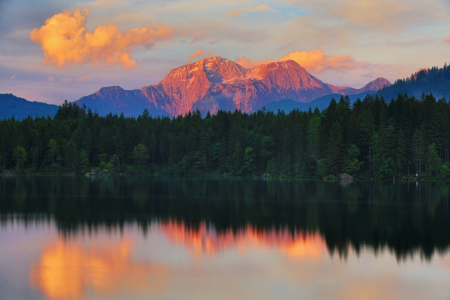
[(374, 85), (20, 108), (116, 100), (434, 80), (321, 103)]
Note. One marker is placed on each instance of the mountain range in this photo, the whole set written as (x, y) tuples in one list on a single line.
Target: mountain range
[(216, 83), (209, 85)]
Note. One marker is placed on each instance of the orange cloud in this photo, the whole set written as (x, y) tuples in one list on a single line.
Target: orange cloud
[(315, 61), (65, 40), (241, 12), (66, 270), (447, 41), (200, 53), (249, 64), (84, 78)]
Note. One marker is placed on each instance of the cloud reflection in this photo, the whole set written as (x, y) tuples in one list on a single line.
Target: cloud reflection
[(67, 269)]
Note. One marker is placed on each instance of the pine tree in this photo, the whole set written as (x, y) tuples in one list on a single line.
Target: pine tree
[(20, 156)]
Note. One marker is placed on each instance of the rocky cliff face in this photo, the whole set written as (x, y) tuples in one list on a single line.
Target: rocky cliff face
[(216, 83), (186, 85)]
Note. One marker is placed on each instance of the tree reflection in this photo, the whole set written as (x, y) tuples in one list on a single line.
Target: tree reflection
[(407, 218)]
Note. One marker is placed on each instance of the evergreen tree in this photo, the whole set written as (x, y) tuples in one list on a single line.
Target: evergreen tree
[(20, 156), (140, 156)]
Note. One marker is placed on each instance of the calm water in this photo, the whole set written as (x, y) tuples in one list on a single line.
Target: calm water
[(177, 238)]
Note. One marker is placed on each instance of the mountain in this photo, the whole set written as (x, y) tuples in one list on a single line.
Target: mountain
[(116, 100), (265, 84), (435, 80), (215, 83), (212, 84), (21, 108), (375, 85)]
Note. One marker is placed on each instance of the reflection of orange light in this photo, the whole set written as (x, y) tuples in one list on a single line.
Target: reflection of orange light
[(204, 240), (66, 269)]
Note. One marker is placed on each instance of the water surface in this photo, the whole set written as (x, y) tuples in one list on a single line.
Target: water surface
[(220, 238)]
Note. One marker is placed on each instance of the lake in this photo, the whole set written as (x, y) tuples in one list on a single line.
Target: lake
[(119, 237)]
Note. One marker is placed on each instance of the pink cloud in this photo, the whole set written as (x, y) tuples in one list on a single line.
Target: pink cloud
[(84, 78), (200, 36), (200, 53)]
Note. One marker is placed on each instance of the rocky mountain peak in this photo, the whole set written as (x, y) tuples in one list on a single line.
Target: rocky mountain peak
[(216, 83), (215, 69)]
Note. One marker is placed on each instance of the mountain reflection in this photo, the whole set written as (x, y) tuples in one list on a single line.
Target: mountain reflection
[(207, 241), (67, 269), (406, 218)]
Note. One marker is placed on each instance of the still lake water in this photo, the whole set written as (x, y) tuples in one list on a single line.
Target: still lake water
[(222, 238)]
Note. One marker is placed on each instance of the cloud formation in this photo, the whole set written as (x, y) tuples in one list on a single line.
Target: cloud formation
[(84, 78), (315, 61), (65, 40), (12, 77), (200, 36), (447, 41), (241, 12), (108, 3), (382, 15), (200, 53)]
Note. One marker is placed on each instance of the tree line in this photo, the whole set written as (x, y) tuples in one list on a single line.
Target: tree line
[(369, 139)]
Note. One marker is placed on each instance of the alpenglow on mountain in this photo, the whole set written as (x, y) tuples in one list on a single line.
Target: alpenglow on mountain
[(215, 83)]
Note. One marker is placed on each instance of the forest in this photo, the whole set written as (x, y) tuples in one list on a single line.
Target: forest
[(369, 139), (433, 80)]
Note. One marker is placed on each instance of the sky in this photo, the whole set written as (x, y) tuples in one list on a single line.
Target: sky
[(55, 50)]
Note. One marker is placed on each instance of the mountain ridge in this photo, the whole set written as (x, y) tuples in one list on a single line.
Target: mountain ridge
[(19, 108), (215, 83)]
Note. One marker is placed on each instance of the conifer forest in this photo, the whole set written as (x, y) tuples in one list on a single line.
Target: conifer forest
[(371, 138)]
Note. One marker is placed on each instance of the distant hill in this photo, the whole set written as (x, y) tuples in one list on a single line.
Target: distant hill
[(321, 103), (116, 100), (435, 80), (20, 108), (375, 85)]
